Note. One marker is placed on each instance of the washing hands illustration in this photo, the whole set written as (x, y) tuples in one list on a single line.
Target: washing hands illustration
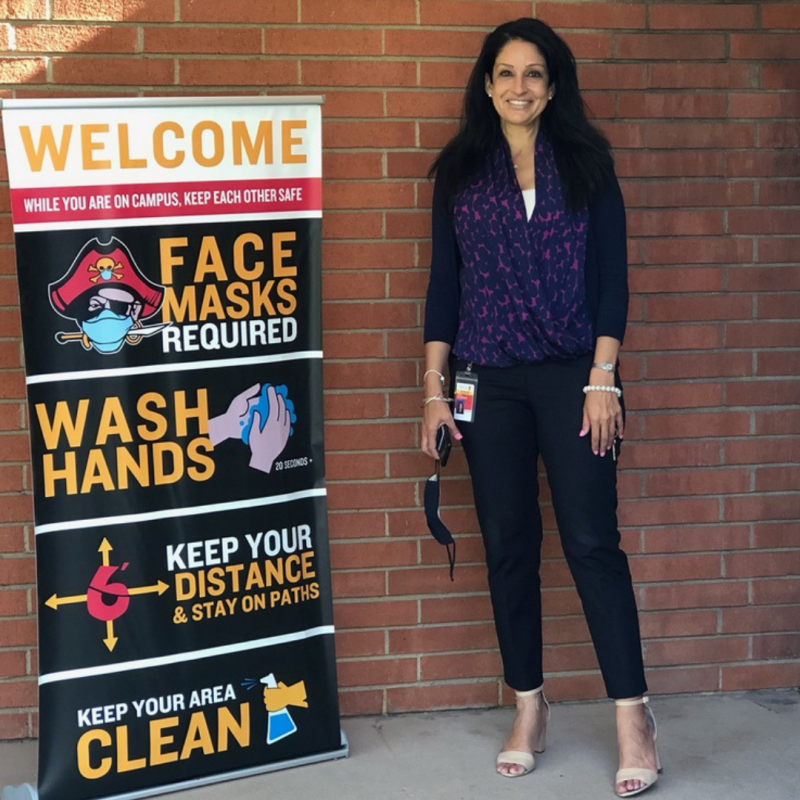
[(261, 416)]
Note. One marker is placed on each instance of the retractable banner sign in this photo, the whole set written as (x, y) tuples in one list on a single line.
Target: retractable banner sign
[(168, 254)]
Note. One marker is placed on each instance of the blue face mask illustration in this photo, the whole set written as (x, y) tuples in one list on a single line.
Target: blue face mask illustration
[(107, 330)]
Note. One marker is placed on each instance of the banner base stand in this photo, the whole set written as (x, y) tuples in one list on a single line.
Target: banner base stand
[(23, 792), (27, 792)]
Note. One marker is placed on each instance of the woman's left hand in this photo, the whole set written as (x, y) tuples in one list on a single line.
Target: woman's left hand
[(602, 417)]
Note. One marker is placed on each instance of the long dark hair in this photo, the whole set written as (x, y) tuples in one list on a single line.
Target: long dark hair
[(583, 154)]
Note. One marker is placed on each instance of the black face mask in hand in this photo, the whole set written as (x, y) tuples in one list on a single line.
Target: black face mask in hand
[(433, 497)]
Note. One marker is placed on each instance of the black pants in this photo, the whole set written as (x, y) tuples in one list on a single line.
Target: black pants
[(523, 411)]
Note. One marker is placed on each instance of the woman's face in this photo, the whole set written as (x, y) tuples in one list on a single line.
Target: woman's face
[(519, 85)]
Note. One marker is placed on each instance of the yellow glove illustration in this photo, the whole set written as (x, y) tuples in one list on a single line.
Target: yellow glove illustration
[(277, 698)]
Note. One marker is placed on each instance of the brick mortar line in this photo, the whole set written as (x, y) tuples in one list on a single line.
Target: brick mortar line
[(718, 579), (641, 440), (395, 654), (361, 26), (434, 682)]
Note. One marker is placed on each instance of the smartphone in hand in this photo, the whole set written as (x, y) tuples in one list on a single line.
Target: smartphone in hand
[(443, 444)]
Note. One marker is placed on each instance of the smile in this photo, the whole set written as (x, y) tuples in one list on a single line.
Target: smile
[(519, 103)]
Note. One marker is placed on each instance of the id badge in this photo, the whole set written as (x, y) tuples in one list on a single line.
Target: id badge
[(464, 396)]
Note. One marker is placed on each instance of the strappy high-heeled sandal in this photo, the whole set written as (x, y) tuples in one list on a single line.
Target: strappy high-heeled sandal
[(521, 758), (647, 776)]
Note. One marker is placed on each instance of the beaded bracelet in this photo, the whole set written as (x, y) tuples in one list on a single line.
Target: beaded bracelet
[(440, 397), (617, 391)]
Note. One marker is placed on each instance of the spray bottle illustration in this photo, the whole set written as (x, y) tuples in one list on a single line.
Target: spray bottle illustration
[(277, 696)]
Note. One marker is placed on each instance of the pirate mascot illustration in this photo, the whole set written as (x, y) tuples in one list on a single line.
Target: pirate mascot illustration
[(107, 295)]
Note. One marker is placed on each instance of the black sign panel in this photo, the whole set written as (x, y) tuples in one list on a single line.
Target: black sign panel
[(174, 373)]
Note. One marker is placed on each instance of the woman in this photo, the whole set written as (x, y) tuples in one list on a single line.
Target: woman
[(527, 304)]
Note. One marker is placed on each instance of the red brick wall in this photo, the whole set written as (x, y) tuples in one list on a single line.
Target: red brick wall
[(701, 102)]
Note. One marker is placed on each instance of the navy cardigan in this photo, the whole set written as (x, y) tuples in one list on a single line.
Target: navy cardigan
[(605, 268)]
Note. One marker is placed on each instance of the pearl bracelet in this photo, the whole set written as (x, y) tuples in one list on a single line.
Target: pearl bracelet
[(617, 391)]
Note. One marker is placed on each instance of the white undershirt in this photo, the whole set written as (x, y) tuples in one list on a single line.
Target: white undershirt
[(529, 196)]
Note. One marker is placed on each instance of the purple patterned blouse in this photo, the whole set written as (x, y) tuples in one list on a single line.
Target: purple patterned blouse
[(523, 296)]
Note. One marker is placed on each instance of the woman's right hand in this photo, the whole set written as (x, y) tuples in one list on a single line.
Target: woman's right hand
[(437, 412), (434, 415)]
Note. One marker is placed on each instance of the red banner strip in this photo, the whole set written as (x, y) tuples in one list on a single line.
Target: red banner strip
[(136, 201)]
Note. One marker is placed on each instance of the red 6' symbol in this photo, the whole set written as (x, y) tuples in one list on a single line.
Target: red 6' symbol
[(107, 601)]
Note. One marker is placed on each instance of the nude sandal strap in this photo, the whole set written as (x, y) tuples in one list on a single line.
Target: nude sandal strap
[(647, 776), (530, 692), (519, 758), (643, 774), (641, 701)]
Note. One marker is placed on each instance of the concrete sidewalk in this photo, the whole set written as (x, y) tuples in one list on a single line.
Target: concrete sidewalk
[(718, 747)]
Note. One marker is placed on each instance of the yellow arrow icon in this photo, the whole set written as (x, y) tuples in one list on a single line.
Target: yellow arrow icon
[(159, 587), (105, 548), (55, 601), (110, 641)]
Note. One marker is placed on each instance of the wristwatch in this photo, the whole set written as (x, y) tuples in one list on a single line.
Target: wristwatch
[(603, 365)]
